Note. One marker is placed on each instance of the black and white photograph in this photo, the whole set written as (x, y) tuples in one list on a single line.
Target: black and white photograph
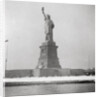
[(50, 48)]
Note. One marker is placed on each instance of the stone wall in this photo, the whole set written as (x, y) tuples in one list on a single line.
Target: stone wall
[(44, 72), (18, 73), (58, 72)]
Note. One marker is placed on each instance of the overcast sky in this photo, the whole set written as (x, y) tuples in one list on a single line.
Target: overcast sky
[(74, 34)]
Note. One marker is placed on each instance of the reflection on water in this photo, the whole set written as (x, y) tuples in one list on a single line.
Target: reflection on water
[(50, 89)]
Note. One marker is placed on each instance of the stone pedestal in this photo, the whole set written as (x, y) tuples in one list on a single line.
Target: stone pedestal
[(48, 56)]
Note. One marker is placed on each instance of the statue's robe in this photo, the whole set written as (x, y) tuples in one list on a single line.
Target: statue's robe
[(49, 25)]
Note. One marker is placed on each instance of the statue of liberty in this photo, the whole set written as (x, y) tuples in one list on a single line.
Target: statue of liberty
[(49, 25), (48, 56)]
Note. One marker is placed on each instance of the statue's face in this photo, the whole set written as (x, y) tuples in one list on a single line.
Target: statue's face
[(48, 16)]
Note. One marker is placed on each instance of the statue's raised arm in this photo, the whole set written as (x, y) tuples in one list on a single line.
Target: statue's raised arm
[(43, 13)]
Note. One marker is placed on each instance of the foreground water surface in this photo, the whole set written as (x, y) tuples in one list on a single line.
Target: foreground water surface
[(49, 89)]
